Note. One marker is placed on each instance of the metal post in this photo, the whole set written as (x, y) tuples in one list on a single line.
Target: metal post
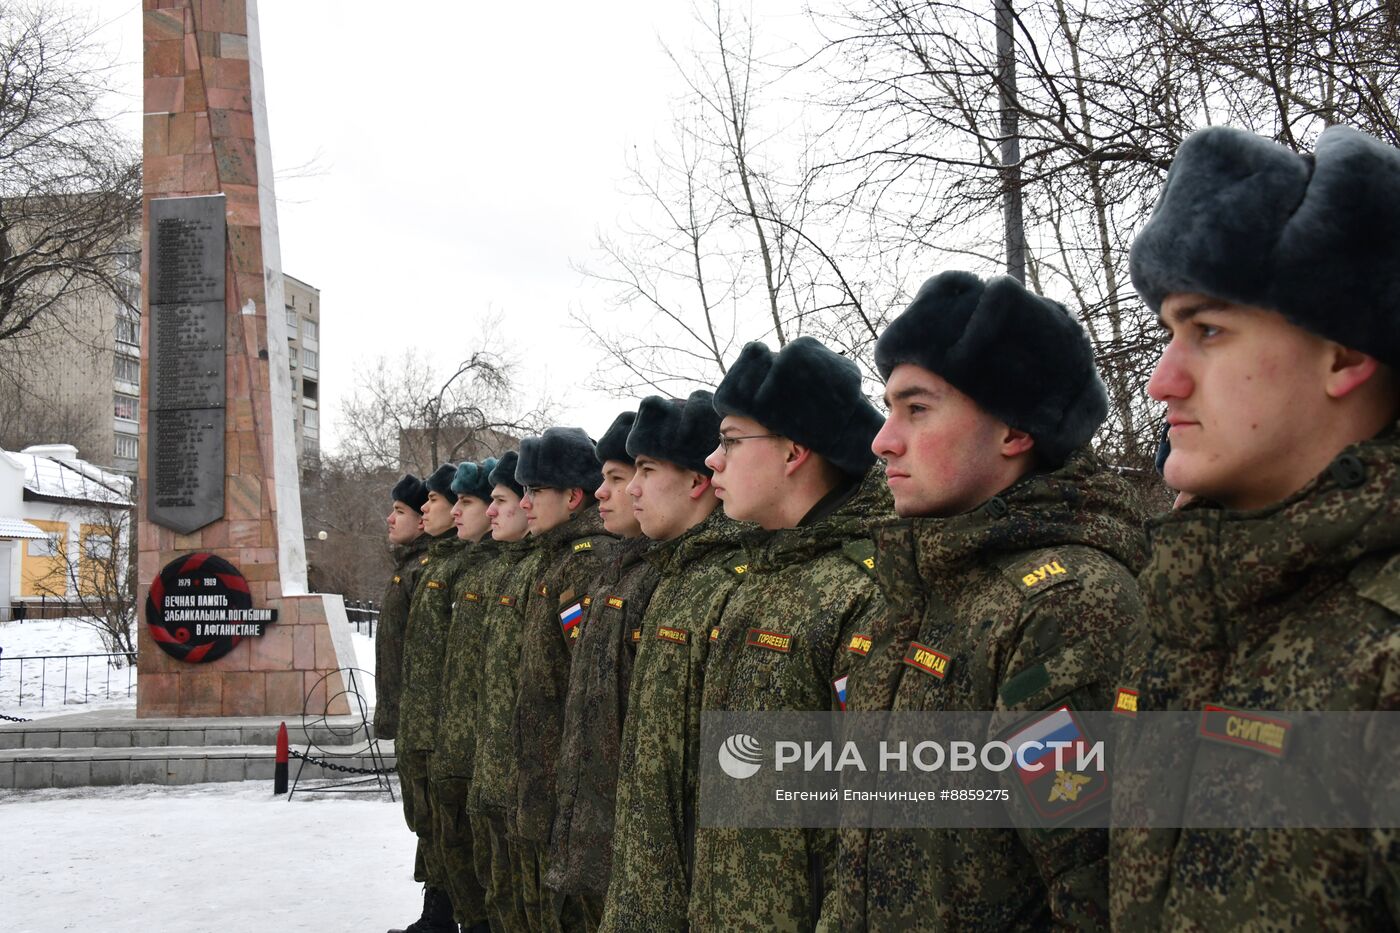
[(1010, 143)]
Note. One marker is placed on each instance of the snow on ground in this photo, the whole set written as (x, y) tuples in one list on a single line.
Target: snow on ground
[(37, 689), (57, 685), (203, 857)]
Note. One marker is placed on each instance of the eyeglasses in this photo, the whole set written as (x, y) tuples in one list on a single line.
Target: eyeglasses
[(532, 491), (727, 441)]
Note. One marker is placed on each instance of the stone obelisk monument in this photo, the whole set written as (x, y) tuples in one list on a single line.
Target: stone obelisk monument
[(228, 626)]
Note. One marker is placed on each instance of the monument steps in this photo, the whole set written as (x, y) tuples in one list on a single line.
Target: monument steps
[(111, 747)]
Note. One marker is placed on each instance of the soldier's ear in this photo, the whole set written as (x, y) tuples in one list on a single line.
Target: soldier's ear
[(699, 485), (1015, 442), (797, 454)]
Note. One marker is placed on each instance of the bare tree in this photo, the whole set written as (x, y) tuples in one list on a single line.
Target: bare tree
[(409, 415), (349, 504), (97, 581), (69, 186), (733, 244)]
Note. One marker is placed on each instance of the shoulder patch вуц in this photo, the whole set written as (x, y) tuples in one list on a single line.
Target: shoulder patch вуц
[(1040, 571), (862, 553), (585, 545), (739, 569)]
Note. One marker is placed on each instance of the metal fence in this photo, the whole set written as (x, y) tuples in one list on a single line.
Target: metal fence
[(362, 615), (73, 678), (42, 608)]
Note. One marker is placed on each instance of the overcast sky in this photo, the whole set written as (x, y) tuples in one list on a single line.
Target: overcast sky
[(464, 155)]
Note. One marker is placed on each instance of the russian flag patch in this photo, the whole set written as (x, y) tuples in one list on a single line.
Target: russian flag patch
[(840, 685), (572, 616)]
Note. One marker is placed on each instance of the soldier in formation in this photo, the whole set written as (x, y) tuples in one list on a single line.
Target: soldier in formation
[(545, 687)]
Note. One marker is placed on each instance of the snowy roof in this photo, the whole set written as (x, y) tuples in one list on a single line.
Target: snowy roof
[(12, 528), (71, 479)]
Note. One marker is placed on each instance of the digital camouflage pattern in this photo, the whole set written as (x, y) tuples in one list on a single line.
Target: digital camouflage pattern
[(1018, 606), (451, 762), (595, 709), (654, 831), (574, 553), (428, 617), (1291, 607), (780, 646), (491, 792), (388, 634)]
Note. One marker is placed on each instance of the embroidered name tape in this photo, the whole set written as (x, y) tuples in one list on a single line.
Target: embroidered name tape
[(615, 602), (1265, 734), (678, 635), (860, 644), (774, 641), (471, 597), (506, 600), (1125, 702), (636, 634), (929, 660), (714, 633), (435, 584)]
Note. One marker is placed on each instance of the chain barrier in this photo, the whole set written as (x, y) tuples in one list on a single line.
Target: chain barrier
[(14, 718), (331, 766)]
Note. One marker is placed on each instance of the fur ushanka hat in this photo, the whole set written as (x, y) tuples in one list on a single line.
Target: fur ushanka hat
[(472, 479), (1313, 237), (561, 458), (504, 473), (410, 491), (679, 431), (807, 393), (1022, 358), (440, 482), (613, 444)]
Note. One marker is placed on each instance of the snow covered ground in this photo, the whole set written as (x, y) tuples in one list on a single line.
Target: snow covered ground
[(203, 857), (39, 690)]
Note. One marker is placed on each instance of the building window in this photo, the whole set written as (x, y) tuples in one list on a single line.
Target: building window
[(128, 369), (125, 407), (309, 359), (130, 293), (309, 390), (310, 330), (310, 422), (128, 330), (292, 319), (48, 546), (126, 447)]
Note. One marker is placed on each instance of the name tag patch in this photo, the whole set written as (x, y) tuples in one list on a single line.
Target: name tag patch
[(678, 635), (506, 600), (636, 635), (470, 597), (1042, 573), (860, 644), (615, 602), (714, 633), (435, 584), (1125, 702), (774, 641), (929, 660), (1264, 734)]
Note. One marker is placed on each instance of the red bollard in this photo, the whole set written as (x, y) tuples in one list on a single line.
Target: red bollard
[(279, 773)]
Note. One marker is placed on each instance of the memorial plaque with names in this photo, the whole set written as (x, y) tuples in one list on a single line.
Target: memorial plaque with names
[(185, 457)]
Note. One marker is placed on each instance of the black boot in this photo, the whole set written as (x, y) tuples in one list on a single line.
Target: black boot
[(437, 914)]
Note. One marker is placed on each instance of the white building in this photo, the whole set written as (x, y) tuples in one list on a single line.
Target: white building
[(60, 519)]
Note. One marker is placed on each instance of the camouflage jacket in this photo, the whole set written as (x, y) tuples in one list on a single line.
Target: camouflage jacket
[(1290, 607), (388, 635), (1018, 606), (654, 831), (492, 790), (462, 658), (424, 639), (781, 646), (596, 708), (574, 553)]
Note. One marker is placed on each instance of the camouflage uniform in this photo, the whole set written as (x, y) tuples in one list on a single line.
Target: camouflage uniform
[(450, 768), (1291, 607), (780, 646), (1018, 606), (424, 637), (654, 832), (574, 553), (388, 634), (491, 793), (580, 850)]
